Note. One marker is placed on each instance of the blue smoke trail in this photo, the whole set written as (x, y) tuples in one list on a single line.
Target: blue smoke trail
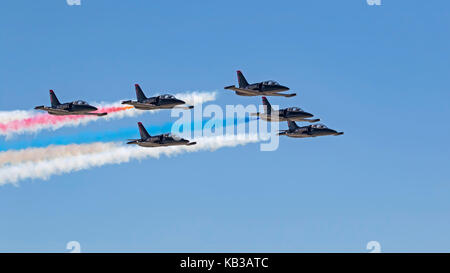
[(120, 135)]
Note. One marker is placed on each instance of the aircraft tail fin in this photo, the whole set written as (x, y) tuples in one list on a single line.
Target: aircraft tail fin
[(267, 106), (143, 132), (139, 93), (241, 79), (292, 125), (53, 99)]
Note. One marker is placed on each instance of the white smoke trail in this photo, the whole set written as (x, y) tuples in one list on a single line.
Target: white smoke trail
[(21, 122), (11, 174), (196, 98), (12, 157), (8, 116)]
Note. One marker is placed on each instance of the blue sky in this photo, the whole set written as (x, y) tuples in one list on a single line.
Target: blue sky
[(378, 73)]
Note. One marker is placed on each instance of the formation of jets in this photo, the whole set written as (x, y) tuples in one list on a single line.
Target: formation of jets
[(167, 101), (291, 114)]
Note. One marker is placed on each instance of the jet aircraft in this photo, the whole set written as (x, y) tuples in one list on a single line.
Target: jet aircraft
[(147, 140), (266, 88), (159, 102), (314, 130), (78, 107), (291, 113)]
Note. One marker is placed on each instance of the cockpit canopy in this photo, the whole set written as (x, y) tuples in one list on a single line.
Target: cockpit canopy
[(270, 83), (167, 96), (80, 102), (295, 109), (170, 135), (319, 126)]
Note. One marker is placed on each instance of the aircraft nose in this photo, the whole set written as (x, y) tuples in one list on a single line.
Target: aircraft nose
[(93, 108), (284, 88)]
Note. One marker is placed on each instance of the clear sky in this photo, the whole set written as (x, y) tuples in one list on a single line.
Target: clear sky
[(378, 73)]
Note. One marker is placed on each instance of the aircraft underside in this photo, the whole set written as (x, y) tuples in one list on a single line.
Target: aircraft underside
[(70, 113), (299, 135), (164, 144), (280, 119), (252, 92), (263, 93), (147, 106)]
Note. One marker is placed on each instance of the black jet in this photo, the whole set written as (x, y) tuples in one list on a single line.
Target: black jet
[(147, 140), (78, 107), (291, 113), (153, 103), (314, 130), (266, 88)]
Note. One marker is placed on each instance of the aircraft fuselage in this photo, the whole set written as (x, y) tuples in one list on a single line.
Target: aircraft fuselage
[(285, 115), (303, 132), (153, 104), (68, 109)]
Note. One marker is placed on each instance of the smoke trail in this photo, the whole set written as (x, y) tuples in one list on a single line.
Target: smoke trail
[(52, 152), (20, 122), (116, 135), (8, 116), (116, 154)]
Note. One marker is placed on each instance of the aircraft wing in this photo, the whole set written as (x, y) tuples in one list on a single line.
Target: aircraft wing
[(141, 105), (53, 110), (282, 95), (92, 114), (304, 119), (312, 120), (244, 91), (185, 107)]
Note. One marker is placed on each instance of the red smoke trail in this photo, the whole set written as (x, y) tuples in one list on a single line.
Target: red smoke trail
[(47, 120)]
